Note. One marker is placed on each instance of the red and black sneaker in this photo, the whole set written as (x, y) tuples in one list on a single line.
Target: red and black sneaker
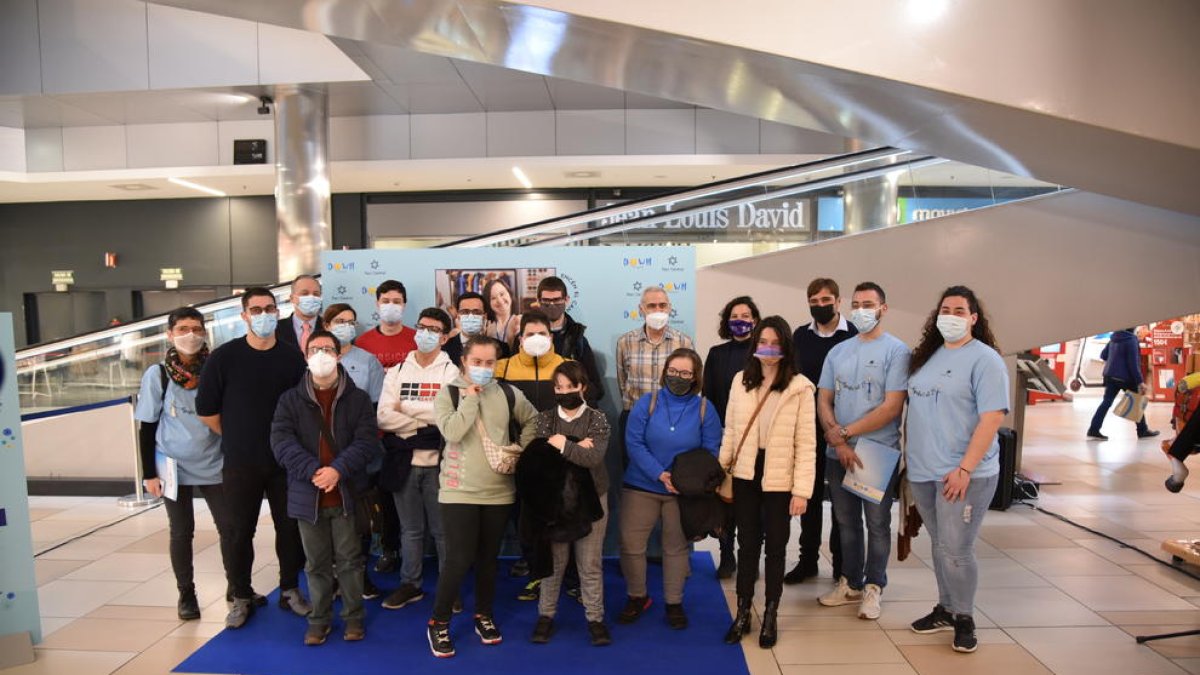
[(634, 608), (440, 643)]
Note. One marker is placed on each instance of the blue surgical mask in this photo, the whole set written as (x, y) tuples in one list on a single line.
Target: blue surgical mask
[(428, 341), (264, 324), (309, 305), (345, 333), (480, 375), (864, 319), (471, 324), (391, 313)]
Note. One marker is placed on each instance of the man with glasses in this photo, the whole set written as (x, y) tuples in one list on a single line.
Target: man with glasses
[(471, 317), (642, 352), (240, 386), (568, 334), (414, 448), (306, 313)]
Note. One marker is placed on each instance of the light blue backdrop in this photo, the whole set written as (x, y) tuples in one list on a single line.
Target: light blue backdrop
[(18, 586)]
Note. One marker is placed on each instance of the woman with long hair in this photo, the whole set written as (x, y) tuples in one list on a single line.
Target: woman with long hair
[(502, 312), (957, 399), (770, 443)]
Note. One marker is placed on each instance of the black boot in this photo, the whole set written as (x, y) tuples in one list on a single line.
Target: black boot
[(189, 606), (770, 630), (728, 565), (741, 622)]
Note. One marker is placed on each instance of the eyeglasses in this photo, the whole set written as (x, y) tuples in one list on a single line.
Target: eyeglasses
[(313, 351), (431, 329), (552, 301), (685, 374), (182, 330), (255, 311), (471, 312)]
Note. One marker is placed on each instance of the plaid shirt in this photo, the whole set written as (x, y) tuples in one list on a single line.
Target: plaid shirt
[(640, 362)]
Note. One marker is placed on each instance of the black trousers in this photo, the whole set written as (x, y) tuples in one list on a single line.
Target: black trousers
[(473, 533), (181, 518), (245, 487), (811, 523), (760, 515)]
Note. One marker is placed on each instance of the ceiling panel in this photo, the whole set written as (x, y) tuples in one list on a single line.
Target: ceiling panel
[(568, 95), (635, 101), (355, 99), (403, 66), (501, 89), (442, 98)]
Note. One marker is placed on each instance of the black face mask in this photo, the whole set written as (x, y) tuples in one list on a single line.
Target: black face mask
[(822, 314), (553, 312), (678, 385), (570, 400)]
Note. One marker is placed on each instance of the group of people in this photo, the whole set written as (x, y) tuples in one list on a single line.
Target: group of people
[(468, 420)]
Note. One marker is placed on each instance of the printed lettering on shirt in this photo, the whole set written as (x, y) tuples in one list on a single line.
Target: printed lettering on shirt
[(419, 391), (452, 465)]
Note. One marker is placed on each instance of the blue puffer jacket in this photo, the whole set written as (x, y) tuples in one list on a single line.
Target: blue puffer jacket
[(296, 442), (1122, 358)]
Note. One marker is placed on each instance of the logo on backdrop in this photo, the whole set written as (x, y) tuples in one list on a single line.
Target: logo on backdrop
[(572, 291), (638, 262), (672, 265), (375, 270), (7, 439), (339, 267)]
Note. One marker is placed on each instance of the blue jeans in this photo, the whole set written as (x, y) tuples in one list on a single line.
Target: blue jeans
[(417, 502), (1112, 387), (953, 528), (861, 566)]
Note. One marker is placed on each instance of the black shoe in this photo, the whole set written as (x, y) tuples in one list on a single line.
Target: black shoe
[(934, 622), (598, 633), (188, 607), (964, 634), (1097, 435), (676, 619), (1173, 485), (727, 567), (370, 590), (1149, 434), (803, 571), (487, 631), (531, 591), (741, 623), (457, 607), (769, 634), (440, 644), (542, 630), (634, 608), (387, 562), (519, 568), (315, 634), (405, 595)]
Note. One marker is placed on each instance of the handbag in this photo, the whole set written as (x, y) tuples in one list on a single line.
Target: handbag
[(1131, 406), (502, 458), (725, 492)]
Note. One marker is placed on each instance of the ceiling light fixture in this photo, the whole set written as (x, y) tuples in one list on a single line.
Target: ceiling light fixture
[(133, 187), (522, 177), (196, 186)]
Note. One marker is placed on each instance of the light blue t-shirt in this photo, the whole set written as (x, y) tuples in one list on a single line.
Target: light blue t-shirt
[(365, 370), (945, 399), (181, 435), (859, 372)]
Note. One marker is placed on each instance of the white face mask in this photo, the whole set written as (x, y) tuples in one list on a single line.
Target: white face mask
[(864, 319), (189, 343), (391, 313), (657, 320), (953, 328), (536, 346), (322, 365)]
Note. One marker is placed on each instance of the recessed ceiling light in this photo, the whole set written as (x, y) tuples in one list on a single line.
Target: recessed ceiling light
[(582, 174), (133, 187), (660, 175)]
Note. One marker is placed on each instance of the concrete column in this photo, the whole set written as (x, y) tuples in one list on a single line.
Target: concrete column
[(302, 200), (870, 204)]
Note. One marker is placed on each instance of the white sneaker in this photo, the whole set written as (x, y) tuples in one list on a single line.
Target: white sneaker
[(841, 594), (869, 609)]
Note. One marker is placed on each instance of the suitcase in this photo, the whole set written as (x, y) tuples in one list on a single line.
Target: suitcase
[(1008, 470)]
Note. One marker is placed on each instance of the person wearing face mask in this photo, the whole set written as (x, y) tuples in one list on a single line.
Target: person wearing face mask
[(663, 424), (171, 435), (724, 362), (324, 436), (532, 368), (812, 343), (580, 433), (570, 340), (414, 448), (391, 340), (341, 320), (240, 386), (957, 399), (860, 396), (474, 498), (470, 320), (306, 313), (770, 446)]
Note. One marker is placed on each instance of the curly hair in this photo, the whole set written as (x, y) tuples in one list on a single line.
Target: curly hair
[(931, 337), (723, 328)]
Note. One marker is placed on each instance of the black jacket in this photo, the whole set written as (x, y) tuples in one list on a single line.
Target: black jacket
[(724, 362), (697, 474), (285, 332), (558, 503), (296, 442), (570, 343)]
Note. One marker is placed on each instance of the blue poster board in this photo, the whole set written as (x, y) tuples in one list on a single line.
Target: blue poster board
[(18, 585)]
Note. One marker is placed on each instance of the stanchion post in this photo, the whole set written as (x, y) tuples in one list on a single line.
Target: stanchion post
[(139, 498)]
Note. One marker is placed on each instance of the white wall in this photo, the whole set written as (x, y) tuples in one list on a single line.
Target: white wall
[(93, 444)]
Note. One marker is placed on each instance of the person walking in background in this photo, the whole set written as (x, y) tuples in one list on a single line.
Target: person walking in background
[(1122, 372)]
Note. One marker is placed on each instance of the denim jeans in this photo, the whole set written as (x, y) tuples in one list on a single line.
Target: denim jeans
[(416, 502), (953, 528), (861, 566), (332, 547), (1112, 387)]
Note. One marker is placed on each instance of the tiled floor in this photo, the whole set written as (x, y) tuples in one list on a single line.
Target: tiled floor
[(1052, 599)]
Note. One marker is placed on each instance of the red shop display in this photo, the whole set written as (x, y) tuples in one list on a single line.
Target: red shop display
[(1169, 357)]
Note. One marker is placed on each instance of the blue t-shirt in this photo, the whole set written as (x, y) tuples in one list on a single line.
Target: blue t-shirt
[(181, 435), (945, 399), (860, 372), (365, 370)]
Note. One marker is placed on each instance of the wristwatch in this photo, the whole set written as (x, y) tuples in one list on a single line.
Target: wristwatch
[(843, 432)]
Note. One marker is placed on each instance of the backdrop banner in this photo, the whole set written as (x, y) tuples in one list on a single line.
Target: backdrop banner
[(18, 587)]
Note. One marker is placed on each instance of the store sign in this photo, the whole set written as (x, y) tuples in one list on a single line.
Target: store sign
[(170, 274), (914, 209), (784, 215)]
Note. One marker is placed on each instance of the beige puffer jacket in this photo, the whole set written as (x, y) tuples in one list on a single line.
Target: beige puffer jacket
[(790, 464)]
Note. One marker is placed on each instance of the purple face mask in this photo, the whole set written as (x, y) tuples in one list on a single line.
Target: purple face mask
[(740, 328), (768, 352)]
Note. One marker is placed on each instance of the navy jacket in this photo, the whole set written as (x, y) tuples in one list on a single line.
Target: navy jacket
[(1122, 358), (296, 442)]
